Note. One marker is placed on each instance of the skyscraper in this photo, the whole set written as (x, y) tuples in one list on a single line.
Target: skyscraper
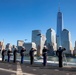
[(35, 35), (75, 46), (74, 51), (51, 40), (39, 40), (66, 41), (59, 28)]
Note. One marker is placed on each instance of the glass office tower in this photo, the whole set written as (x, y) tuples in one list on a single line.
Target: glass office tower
[(51, 41), (59, 28)]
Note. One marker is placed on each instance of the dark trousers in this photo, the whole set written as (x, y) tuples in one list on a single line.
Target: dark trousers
[(2, 57), (22, 58), (8, 58), (44, 60), (60, 62), (31, 60), (14, 60)]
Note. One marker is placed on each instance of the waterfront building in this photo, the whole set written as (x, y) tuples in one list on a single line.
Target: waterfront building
[(66, 41), (39, 40), (59, 27), (75, 46), (74, 52), (1, 45), (51, 41), (19, 44), (35, 34), (28, 47), (42, 43)]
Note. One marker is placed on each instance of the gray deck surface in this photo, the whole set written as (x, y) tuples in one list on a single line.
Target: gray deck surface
[(35, 69)]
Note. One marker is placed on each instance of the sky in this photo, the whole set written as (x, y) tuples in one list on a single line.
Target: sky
[(19, 17)]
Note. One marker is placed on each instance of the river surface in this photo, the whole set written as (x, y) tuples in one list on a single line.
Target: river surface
[(68, 60)]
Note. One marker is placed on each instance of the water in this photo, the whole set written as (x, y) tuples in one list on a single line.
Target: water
[(69, 61), (51, 59)]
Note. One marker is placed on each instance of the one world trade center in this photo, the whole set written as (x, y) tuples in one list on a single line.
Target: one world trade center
[(59, 28)]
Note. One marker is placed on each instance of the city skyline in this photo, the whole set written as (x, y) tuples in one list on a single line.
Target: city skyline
[(59, 27), (18, 18)]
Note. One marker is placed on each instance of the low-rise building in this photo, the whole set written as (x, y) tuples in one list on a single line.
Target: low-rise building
[(28, 47), (20, 43)]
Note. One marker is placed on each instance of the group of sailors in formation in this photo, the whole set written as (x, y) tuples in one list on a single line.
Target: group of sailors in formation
[(31, 54)]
